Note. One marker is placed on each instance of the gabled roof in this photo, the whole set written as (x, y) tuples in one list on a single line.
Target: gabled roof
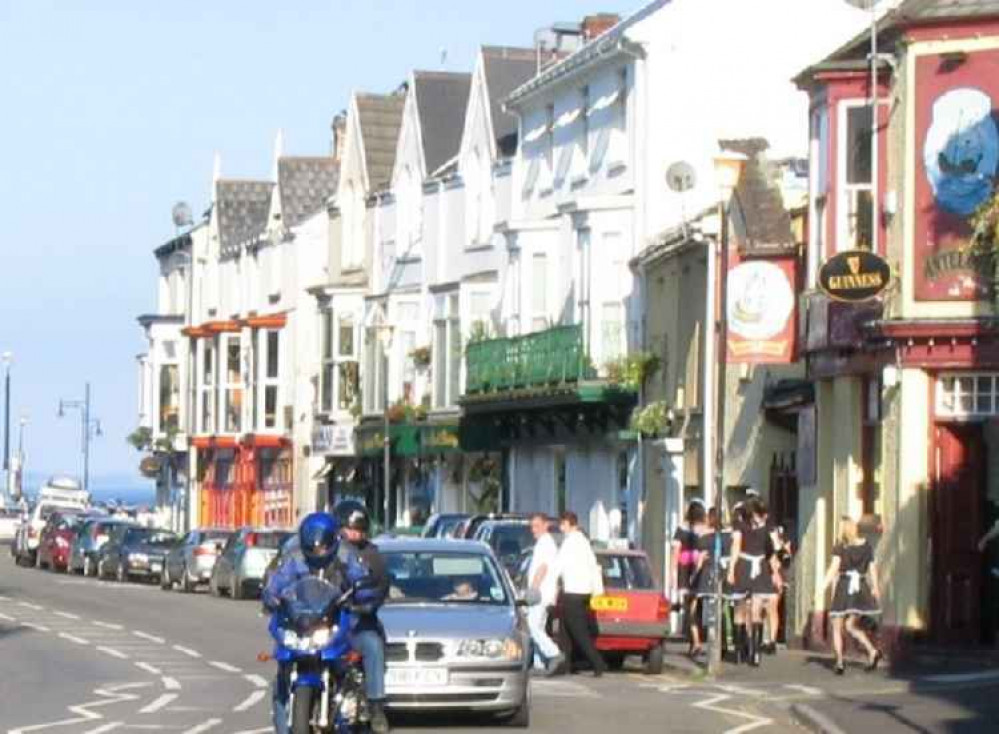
[(242, 208), (593, 50), (380, 117), (305, 183), (506, 69), (441, 101), (852, 56), (766, 221)]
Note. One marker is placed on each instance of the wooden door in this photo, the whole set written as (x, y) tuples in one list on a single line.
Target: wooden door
[(956, 520)]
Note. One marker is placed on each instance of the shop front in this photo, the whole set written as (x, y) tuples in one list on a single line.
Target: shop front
[(244, 482)]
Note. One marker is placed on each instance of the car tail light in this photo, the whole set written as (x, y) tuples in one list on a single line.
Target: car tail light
[(203, 550), (251, 540), (662, 610)]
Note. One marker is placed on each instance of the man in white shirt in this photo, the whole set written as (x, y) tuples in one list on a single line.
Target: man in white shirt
[(580, 574), (542, 578)]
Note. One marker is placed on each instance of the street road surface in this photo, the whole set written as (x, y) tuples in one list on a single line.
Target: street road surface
[(78, 655)]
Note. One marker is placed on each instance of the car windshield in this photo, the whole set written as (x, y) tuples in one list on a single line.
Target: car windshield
[(510, 539), (626, 572), (269, 540), (149, 537), (439, 576)]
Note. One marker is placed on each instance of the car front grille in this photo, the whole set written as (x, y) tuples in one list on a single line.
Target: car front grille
[(423, 652), (443, 698)]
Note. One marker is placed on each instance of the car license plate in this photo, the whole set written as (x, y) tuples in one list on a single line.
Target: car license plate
[(609, 604), (156, 565), (415, 677)]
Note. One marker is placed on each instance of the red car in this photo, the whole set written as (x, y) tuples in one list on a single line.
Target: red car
[(633, 614), (56, 540)]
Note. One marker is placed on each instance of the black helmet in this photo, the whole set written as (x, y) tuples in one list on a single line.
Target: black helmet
[(353, 515), (319, 539)]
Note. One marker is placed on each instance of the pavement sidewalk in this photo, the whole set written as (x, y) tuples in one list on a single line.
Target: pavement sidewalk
[(937, 683)]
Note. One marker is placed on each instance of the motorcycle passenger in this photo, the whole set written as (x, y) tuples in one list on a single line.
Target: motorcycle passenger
[(318, 555), (368, 636)]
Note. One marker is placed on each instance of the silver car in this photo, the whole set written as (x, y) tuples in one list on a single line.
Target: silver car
[(191, 563), (456, 639), (239, 570)]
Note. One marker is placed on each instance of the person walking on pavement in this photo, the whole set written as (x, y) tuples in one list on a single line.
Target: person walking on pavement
[(368, 636), (856, 593), (703, 585), (685, 554), (542, 581), (581, 580), (751, 571)]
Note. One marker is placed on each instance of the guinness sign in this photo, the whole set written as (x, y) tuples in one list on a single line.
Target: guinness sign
[(855, 275)]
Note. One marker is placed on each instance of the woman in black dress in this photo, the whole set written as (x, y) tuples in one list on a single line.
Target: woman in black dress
[(684, 564), (856, 594), (703, 586), (753, 573)]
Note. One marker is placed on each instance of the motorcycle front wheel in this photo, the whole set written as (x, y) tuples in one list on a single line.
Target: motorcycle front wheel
[(301, 711)]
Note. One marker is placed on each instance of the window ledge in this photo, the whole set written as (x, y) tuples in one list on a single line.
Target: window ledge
[(616, 167), (580, 179), (479, 246), (546, 192)]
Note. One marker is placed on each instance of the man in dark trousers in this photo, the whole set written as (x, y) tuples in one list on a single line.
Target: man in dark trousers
[(368, 637), (581, 579)]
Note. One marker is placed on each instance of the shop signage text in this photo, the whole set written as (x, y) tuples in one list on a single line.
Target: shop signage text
[(856, 275), (333, 440)]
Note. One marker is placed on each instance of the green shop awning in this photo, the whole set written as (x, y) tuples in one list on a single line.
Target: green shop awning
[(408, 439)]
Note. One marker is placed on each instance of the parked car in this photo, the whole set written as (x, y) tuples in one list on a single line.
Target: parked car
[(508, 537), (455, 639), (442, 525), (58, 494), (89, 540), (10, 518), (239, 570), (132, 552), (289, 546), (190, 562), (468, 527), (56, 539)]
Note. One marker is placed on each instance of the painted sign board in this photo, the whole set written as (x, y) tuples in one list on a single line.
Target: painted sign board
[(956, 162), (854, 276), (760, 311)]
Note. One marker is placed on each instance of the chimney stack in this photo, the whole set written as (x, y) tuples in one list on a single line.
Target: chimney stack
[(339, 128), (594, 25)]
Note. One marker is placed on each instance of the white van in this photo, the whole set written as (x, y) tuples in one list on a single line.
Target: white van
[(59, 493)]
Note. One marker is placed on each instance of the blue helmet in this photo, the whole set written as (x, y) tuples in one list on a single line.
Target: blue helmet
[(319, 539)]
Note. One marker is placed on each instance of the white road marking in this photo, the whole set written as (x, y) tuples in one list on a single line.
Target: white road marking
[(4, 598), (807, 690), (711, 704), (107, 727), (171, 684), (82, 712), (149, 637), (204, 726), (67, 615), (29, 605), (8, 618), (112, 652), (165, 700), (38, 627), (108, 625), (149, 668), (187, 651), (252, 700), (225, 666), (256, 680), (73, 638)]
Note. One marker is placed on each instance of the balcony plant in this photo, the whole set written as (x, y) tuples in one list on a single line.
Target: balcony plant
[(652, 420), (484, 484), (420, 357), (632, 370), (985, 241), (399, 412)]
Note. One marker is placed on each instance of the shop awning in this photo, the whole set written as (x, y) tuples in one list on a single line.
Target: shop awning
[(408, 439)]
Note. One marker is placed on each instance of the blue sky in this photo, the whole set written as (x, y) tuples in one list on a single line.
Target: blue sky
[(111, 111)]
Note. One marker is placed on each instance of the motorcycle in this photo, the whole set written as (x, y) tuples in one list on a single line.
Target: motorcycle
[(311, 631)]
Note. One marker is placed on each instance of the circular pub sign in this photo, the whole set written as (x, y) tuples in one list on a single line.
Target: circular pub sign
[(150, 467), (855, 275)]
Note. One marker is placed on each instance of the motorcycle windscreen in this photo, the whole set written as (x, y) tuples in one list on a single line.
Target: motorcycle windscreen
[(307, 603)]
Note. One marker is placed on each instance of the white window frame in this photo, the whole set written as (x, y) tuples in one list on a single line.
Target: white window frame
[(979, 391), (227, 386), (352, 227), (447, 337), (847, 192), (619, 153), (345, 319), (539, 311), (581, 164), (207, 351), (265, 382)]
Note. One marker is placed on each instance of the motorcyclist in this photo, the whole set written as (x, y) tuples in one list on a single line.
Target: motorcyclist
[(368, 636), (319, 554)]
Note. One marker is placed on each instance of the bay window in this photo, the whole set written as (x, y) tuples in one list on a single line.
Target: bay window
[(169, 403), (340, 380), (856, 217), (207, 386), (267, 384), (447, 352), (232, 387)]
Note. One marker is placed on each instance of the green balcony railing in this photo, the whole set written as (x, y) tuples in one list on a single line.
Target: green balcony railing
[(543, 359)]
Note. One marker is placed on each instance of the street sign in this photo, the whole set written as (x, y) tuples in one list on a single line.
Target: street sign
[(854, 276)]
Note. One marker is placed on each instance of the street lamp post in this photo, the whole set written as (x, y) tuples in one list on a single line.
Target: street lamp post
[(19, 484), (7, 359), (728, 170), (89, 427), (385, 336)]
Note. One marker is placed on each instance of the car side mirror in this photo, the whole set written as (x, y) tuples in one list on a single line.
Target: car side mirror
[(527, 598)]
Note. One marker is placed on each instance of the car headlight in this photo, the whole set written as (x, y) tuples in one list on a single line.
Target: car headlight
[(138, 558), (490, 649)]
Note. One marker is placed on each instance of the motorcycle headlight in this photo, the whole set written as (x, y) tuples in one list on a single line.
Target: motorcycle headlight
[(321, 637), (289, 639), (490, 649)]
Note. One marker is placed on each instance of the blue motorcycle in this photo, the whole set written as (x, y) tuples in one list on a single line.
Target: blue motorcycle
[(312, 635)]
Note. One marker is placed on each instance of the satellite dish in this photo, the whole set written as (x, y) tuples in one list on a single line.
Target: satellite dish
[(681, 177), (182, 216)]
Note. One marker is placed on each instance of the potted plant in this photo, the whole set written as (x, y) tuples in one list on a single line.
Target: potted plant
[(421, 357)]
